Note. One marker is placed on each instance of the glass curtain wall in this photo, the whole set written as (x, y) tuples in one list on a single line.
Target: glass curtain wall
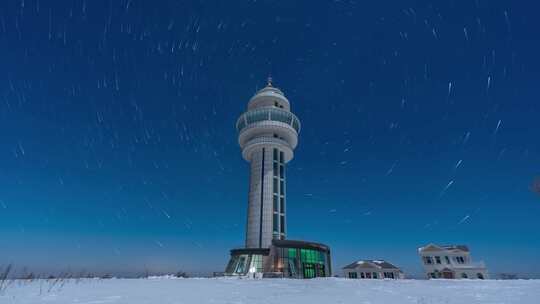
[(302, 263)]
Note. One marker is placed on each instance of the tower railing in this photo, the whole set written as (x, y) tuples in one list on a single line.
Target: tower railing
[(267, 113)]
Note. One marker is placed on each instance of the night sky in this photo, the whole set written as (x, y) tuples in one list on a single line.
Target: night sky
[(118, 151)]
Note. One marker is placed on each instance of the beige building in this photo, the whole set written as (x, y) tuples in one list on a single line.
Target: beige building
[(450, 262)]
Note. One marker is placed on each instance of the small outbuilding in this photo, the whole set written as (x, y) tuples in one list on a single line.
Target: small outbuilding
[(372, 269)]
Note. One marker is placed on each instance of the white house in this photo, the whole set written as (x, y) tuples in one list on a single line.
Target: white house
[(450, 262), (372, 269)]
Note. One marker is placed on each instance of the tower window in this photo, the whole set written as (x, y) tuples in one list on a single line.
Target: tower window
[(281, 157), (275, 223), (275, 185), (275, 151), (282, 218)]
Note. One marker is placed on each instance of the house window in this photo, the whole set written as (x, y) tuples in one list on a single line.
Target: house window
[(438, 259), (460, 260), (432, 275), (375, 275), (447, 260), (428, 260), (368, 275), (464, 275), (388, 275), (353, 275), (362, 275)]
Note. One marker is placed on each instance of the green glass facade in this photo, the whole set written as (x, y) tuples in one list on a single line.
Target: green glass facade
[(303, 262)]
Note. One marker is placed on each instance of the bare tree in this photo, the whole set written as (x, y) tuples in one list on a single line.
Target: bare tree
[(4, 278)]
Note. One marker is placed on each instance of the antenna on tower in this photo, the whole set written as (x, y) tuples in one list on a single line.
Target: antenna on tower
[(269, 81)]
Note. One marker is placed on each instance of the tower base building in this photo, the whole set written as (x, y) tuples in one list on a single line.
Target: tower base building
[(268, 134), (283, 259)]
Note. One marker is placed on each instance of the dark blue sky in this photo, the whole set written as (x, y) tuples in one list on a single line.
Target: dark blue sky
[(118, 150)]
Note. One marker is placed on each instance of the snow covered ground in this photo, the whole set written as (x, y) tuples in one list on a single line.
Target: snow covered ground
[(232, 290)]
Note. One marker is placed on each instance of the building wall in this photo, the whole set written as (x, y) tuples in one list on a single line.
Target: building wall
[(259, 228), (468, 267)]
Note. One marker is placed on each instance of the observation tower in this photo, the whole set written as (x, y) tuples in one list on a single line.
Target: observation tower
[(268, 134)]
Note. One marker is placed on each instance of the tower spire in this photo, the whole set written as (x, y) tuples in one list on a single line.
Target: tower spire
[(269, 81)]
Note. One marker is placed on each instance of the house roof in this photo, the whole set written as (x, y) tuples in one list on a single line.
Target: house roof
[(376, 264), (433, 247), (460, 247)]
